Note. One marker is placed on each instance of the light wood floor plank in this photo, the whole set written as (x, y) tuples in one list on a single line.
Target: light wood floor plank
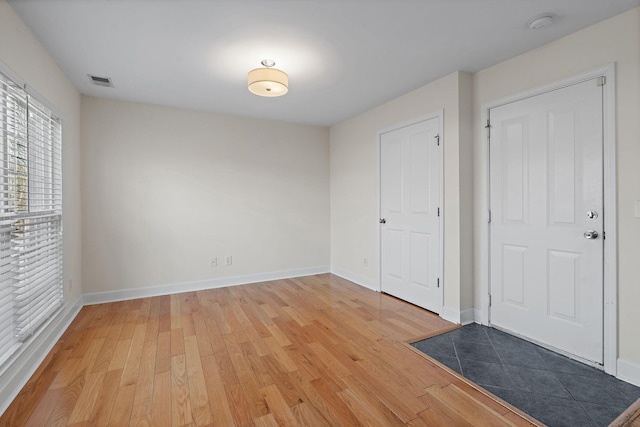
[(197, 385), (163, 352), (144, 385), (132, 365), (308, 351), (278, 407), (121, 412), (161, 407), (44, 409), (106, 399), (220, 410), (84, 406)]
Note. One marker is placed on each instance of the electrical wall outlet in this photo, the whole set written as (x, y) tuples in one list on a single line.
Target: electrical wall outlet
[(228, 260), (213, 262), (365, 261)]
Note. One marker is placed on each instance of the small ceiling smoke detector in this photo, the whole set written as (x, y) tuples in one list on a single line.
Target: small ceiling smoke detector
[(101, 81), (541, 21)]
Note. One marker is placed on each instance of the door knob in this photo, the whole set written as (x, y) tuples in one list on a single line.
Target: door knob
[(383, 221), (591, 234)]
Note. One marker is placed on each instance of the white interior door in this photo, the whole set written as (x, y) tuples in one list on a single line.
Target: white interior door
[(546, 230), (410, 163)]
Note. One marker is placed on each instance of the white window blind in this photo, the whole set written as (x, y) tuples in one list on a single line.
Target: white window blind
[(31, 271)]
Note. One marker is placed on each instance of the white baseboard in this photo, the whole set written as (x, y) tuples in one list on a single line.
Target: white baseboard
[(477, 316), (450, 315), (366, 283), (467, 316), (25, 362), (463, 317), (629, 372), (174, 288)]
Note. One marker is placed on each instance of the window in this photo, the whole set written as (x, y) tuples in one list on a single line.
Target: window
[(31, 272)]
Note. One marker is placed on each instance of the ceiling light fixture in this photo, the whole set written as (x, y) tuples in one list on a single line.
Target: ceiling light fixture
[(268, 81), (541, 21)]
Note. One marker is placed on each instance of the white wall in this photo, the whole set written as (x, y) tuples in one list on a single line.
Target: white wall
[(27, 59), (164, 190), (354, 175), (615, 40)]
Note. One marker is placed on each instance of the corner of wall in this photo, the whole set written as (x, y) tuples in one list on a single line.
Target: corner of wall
[(465, 124), (628, 371)]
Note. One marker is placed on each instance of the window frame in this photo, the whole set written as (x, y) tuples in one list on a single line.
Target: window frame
[(39, 228)]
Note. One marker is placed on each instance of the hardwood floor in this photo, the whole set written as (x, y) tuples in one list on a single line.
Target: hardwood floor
[(629, 418), (313, 351)]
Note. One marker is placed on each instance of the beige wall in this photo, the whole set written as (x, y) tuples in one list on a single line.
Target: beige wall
[(165, 190), (23, 54), (615, 40), (354, 175)]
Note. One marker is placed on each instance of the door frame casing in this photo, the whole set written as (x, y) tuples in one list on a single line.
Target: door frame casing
[(610, 280), (439, 114)]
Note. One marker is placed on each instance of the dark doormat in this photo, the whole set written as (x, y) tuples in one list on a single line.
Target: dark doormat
[(550, 387)]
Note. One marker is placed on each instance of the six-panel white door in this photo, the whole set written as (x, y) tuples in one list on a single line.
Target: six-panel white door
[(410, 164), (546, 200)]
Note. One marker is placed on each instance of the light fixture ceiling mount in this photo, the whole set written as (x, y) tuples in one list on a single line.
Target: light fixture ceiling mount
[(268, 81)]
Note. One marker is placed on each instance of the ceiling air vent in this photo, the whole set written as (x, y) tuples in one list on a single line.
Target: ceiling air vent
[(101, 81)]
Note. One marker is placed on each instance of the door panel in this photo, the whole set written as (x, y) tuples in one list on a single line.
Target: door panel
[(410, 192), (513, 274), (545, 174), (393, 258), (515, 171), (392, 183), (419, 250), (564, 285), (562, 167)]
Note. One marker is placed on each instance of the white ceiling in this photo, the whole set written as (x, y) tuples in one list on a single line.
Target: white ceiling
[(342, 56)]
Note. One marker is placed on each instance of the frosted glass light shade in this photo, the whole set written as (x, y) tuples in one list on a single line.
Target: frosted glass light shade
[(268, 82)]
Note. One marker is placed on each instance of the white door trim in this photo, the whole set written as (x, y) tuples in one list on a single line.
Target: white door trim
[(440, 116), (610, 206)]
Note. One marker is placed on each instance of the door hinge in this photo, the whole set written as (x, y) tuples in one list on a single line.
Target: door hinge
[(489, 300), (438, 211), (604, 235), (489, 217), (438, 282), (602, 80), (437, 137)]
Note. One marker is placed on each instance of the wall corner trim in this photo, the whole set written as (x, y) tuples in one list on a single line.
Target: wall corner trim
[(25, 363), (628, 371), (467, 316), (477, 316), (199, 285)]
